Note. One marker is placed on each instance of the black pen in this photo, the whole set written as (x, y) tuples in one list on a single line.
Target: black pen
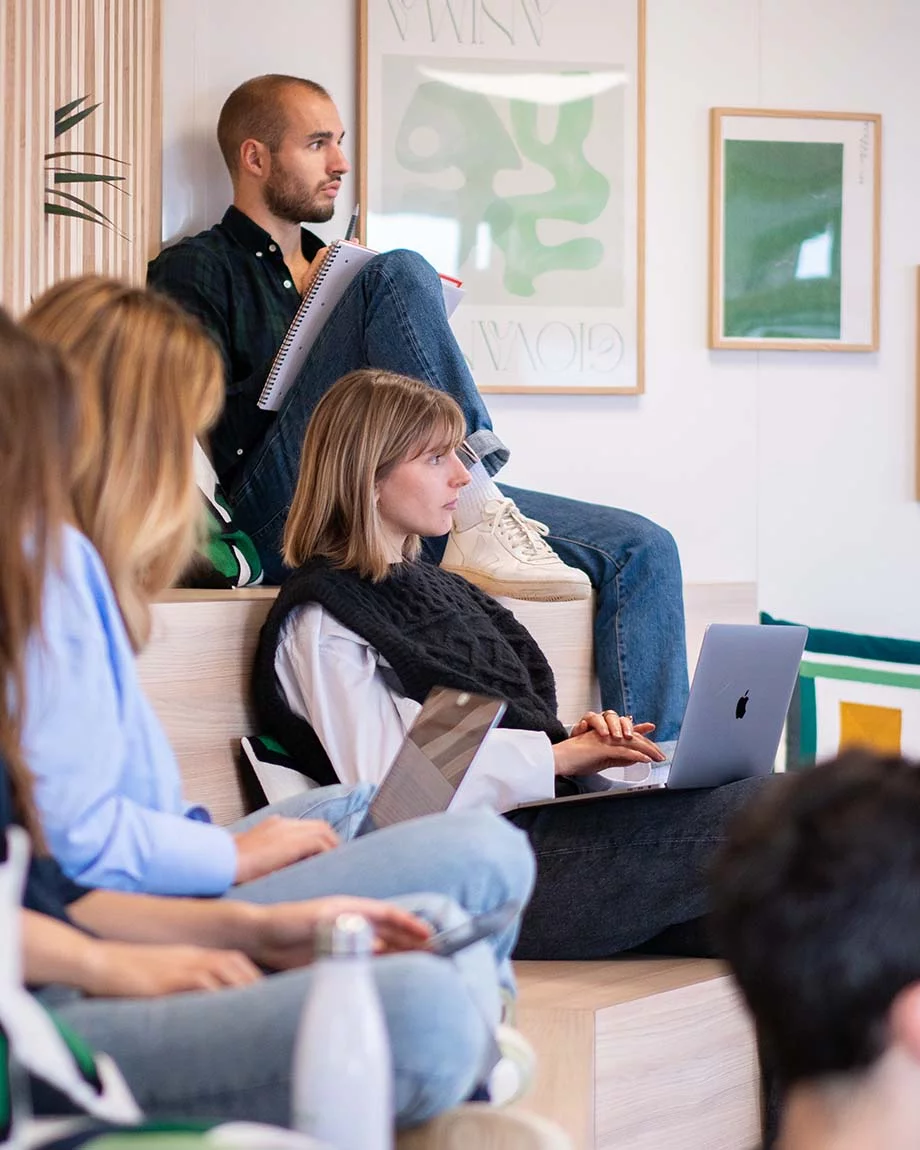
[(352, 224)]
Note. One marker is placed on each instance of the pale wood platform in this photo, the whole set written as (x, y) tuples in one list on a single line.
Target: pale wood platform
[(641, 1053), (644, 1054)]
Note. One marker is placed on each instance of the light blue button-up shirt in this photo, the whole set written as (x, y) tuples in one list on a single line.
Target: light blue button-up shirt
[(107, 782)]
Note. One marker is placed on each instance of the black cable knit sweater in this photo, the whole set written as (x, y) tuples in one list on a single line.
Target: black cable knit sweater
[(432, 627)]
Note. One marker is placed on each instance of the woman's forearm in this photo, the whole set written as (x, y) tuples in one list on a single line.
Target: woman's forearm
[(223, 923), (55, 952)]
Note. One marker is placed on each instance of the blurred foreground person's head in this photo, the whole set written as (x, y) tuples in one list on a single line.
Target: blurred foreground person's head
[(817, 909)]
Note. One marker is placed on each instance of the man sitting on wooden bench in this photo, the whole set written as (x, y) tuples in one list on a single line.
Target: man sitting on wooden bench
[(281, 138)]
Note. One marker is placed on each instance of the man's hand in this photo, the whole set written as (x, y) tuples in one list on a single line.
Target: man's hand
[(287, 929), (276, 842), (590, 752), (131, 970), (305, 279)]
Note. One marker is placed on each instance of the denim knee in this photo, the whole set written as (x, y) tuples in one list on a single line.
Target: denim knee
[(499, 848), (406, 268), (441, 1043)]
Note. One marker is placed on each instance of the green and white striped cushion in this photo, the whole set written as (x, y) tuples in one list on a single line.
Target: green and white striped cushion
[(853, 690)]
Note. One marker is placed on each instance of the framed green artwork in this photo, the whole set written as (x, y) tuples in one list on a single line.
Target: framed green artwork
[(794, 233), (504, 140)]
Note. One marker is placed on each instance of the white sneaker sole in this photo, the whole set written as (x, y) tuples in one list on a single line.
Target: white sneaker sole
[(536, 591), (476, 1126)]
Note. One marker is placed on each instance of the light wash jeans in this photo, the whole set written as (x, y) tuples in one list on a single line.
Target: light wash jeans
[(392, 317), (475, 858), (228, 1053)]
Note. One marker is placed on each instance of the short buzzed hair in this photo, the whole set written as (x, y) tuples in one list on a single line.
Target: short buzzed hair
[(255, 111)]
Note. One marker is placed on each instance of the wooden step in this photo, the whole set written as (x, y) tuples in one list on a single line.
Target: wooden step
[(644, 1054)]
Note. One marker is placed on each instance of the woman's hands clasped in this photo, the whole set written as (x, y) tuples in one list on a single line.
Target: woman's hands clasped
[(605, 739)]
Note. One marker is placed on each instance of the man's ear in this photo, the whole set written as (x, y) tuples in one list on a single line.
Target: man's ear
[(904, 1020), (255, 158)]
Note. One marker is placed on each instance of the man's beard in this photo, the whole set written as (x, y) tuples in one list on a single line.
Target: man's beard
[(290, 201)]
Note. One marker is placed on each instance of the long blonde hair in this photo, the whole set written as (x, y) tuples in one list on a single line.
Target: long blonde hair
[(148, 381), (38, 414), (367, 423)]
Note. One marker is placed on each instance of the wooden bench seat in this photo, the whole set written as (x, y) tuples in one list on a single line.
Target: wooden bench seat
[(638, 1054), (644, 1054)]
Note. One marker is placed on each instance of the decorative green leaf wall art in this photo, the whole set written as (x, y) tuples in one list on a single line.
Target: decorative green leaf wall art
[(69, 168)]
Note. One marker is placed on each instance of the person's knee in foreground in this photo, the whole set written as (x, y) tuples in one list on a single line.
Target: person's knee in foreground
[(816, 906), (244, 277), (363, 630), (125, 956)]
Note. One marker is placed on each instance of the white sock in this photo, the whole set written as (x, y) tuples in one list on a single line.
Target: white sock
[(474, 497)]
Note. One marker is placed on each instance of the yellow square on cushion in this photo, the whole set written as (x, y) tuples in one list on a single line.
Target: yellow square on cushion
[(862, 725)]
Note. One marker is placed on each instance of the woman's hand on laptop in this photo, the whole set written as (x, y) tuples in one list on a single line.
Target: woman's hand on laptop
[(276, 842), (588, 751), (610, 723)]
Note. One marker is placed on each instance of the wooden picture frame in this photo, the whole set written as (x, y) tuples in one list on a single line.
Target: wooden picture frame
[(506, 142), (795, 210)]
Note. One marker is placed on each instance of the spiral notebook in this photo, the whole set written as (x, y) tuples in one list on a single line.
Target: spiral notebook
[(342, 263)]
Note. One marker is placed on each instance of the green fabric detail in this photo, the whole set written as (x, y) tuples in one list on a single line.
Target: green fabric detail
[(6, 1089), (808, 725), (873, 647), (145, 1139), (859, 675), (271, 744), (83, 1054)]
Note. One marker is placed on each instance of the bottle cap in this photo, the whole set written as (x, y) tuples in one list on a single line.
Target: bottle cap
[(345, 935)]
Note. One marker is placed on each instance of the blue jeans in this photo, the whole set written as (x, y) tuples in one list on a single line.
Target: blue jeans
[(474, 858), (392, 317), (228, 1053)]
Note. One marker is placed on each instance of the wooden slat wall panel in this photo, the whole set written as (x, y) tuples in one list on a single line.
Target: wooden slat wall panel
[(52, 52)]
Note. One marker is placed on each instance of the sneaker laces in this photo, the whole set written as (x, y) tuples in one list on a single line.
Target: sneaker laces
[(524, 536)]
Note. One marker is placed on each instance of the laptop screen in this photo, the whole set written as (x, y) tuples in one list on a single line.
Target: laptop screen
[(438, 750)]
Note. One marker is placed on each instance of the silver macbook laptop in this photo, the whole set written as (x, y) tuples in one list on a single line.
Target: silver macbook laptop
[(741, 690)]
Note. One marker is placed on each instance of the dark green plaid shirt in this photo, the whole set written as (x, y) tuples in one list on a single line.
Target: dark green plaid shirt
[(234, 279)]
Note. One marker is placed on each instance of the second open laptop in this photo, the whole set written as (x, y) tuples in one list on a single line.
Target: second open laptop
[(438, 750)]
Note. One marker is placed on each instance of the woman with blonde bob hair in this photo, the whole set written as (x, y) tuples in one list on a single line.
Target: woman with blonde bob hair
[(345, 524), (113, 962), (364, 629)]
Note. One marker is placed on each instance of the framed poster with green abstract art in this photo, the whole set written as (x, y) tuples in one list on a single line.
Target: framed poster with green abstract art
[(853, 690), (504, 140), (795, 221)]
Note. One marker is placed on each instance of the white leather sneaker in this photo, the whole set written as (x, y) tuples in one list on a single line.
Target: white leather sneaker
[(513, 1075), (476, 1126), (505, 554)]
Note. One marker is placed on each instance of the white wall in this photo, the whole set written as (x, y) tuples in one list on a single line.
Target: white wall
[(792, 469)]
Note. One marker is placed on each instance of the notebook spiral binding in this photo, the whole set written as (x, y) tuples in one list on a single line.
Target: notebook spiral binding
[(294, 330)]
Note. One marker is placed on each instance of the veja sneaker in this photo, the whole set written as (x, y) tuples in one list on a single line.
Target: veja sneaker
[(505, 554), (476, 1126)]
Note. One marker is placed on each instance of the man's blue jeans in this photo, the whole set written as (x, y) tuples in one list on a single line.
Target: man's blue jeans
[(392, 317)]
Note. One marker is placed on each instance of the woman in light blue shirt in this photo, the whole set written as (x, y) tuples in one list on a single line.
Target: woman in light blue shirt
[(107, 783), (113, 963)]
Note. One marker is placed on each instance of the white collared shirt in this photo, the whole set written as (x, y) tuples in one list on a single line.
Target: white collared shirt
[(335, 680)]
